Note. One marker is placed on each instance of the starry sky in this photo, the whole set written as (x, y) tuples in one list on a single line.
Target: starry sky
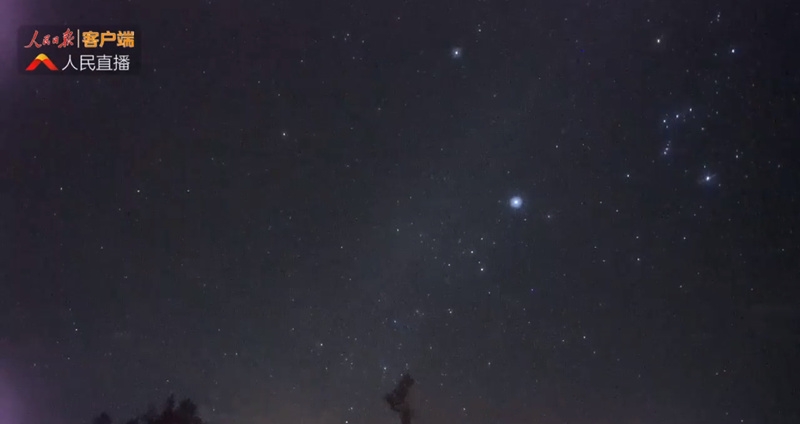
[(549, 212)]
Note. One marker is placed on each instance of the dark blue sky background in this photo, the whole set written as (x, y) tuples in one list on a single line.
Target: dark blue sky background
[(296, 201)]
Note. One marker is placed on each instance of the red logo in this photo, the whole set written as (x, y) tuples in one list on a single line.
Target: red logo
[(42, 58)]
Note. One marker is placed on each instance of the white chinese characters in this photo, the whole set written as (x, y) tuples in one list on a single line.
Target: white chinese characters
[(100, 63)]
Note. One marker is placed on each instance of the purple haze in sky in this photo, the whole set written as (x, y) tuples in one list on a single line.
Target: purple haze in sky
[(11, 17), (8, 401)]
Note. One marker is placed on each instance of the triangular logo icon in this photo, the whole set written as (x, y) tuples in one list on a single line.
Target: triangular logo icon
[(42, 58)]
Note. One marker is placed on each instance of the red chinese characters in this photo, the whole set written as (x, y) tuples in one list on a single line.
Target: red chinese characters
[(67, 39), (33, 41)]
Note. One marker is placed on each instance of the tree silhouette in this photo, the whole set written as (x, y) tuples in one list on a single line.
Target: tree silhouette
[(102, 419), (185, 413), (398, 401), (149, 417), (168, 414)]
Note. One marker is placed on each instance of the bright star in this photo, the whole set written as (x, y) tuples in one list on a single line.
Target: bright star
[(516, 202), (455, 52), (708, 179)]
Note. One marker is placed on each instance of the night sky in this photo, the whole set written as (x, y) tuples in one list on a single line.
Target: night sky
[(550, 212)]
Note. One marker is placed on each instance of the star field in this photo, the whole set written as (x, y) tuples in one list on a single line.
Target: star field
[(567, 212)]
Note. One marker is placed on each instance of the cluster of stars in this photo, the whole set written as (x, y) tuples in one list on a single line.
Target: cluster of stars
[(675, 124), (673, 120)]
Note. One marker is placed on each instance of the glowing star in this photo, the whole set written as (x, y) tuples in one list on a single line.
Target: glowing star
[(455, 53), (708, 179), (515, 202)]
